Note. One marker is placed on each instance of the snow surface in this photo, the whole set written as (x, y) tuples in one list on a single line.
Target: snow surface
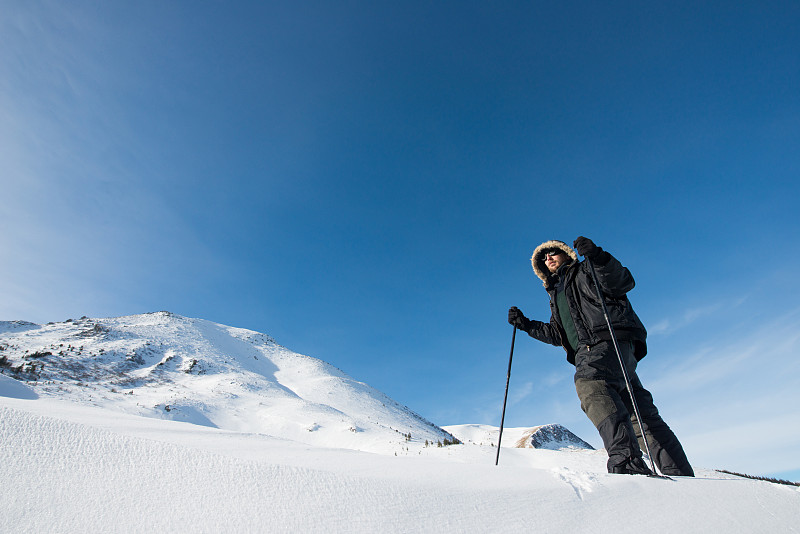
[(79, 457)]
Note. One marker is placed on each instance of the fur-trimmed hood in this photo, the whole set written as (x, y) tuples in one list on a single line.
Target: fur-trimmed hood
[(539, 267)]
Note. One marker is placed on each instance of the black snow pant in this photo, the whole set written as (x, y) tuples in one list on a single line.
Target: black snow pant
[(605, 400)]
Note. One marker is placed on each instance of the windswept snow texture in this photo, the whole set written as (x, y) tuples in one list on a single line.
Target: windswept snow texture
[(171, 367), (72, 468)]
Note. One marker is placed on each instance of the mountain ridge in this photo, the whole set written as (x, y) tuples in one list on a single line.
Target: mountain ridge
[(168, 366)]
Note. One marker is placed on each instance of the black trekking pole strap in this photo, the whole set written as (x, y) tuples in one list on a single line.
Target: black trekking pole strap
[(621, 364), (505, 398)]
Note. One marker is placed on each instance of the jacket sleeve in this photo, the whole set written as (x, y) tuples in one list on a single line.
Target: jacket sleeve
[(614, 279), (545, 332)]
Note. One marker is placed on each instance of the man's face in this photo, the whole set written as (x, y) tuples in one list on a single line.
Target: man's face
[(554, 259)]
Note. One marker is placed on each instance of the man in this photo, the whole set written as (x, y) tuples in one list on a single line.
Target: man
[(577, 323)]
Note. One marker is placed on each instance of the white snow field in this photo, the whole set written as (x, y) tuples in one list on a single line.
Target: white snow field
[(159, 423)]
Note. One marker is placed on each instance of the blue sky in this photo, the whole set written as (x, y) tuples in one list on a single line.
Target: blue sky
[(366, 181)]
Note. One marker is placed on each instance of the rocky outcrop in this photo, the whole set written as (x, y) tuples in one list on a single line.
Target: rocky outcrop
[(553, 437)]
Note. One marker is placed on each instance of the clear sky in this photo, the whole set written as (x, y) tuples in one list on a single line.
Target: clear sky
[(365, 181)]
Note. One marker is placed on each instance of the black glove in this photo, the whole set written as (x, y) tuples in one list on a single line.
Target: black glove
[(586, 247), (516, 318)]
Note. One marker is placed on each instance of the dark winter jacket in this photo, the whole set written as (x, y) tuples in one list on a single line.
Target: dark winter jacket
[(586, 311)]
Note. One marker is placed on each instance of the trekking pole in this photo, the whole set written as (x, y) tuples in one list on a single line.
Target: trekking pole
[(505, 398), (622, 365)]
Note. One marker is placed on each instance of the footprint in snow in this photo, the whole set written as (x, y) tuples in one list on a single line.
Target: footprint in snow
[(581, 481)]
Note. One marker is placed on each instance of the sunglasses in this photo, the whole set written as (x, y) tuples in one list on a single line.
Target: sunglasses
[(551, 253)]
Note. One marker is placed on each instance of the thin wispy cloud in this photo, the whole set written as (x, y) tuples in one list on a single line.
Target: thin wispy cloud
[(737, 393), (690, 316), (521, 392), (82, 213)]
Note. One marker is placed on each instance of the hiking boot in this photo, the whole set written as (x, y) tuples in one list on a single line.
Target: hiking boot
[(631, 466), (674, 472)]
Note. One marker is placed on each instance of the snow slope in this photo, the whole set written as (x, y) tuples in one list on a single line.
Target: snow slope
[(73, 468), (82, 454), (172, 367)]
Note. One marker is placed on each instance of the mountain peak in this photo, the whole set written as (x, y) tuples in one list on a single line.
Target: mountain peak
[(553, 437)]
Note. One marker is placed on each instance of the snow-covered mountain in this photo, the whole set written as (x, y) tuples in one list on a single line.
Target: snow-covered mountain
[(171, 367), (552, 436)]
